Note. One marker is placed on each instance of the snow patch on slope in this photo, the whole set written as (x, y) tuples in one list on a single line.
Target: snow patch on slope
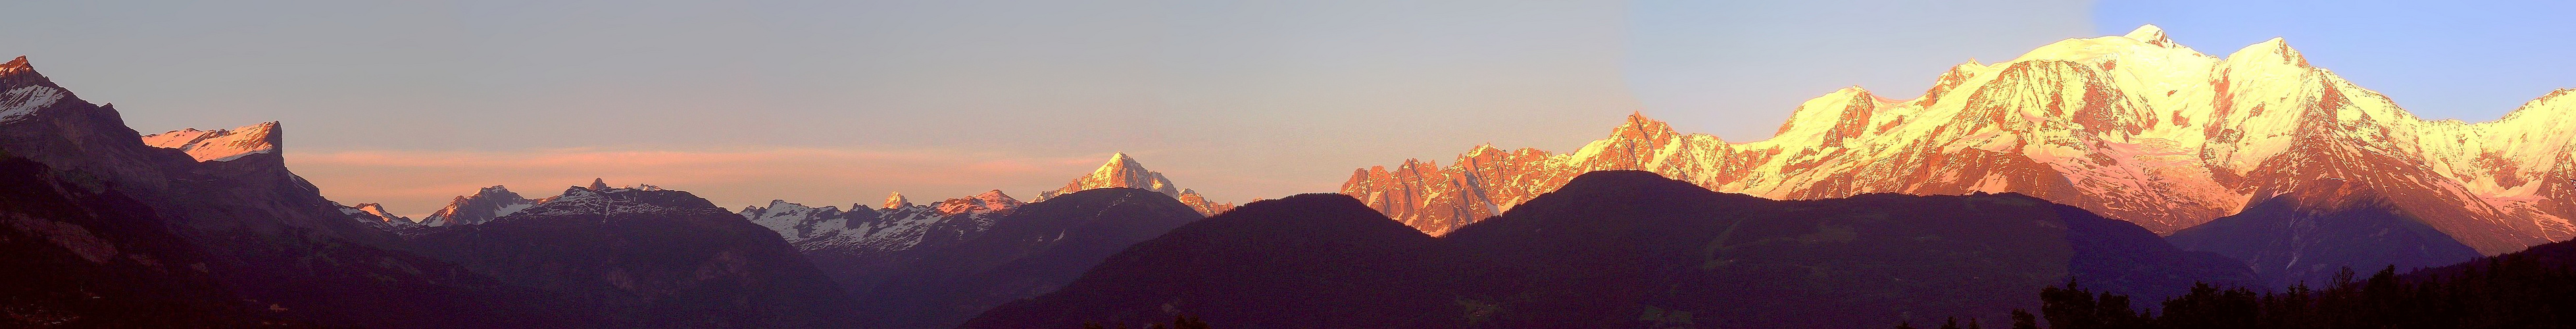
[(221, 144), (19, 103), (863, 230)]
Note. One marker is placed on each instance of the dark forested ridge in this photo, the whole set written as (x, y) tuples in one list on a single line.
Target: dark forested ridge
[(1621, 249), (2304, 237), (2534, 288)]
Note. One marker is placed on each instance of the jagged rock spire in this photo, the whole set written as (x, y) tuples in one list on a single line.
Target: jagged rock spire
[(599, 184), (16, 66), (896, 200)]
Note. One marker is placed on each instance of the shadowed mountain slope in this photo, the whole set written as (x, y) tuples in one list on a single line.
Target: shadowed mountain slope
[(646, 257), (1623, 248), (105, 260), (1037, 249), (264, 234), (1313, 260), (2306, 237)]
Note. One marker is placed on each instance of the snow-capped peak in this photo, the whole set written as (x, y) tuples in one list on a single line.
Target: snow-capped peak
[(1120, 171), (1124, 171), (2275, 50), (486, 204), (374, 216), (1121, 159), (2151, 35), (1639, 127), (379, 211), (220, 144), (989, 202), (22, 91), (996, 197)]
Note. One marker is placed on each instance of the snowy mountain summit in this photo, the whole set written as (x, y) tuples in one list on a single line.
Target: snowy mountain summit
[(1120, 171), (1124, 171), (858, 244), (220, 144), (494, 202), (486, 204), (868, 230), (2133, 127)]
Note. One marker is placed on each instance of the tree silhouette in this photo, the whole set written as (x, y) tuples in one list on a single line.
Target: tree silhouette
[(2531, 289), (1183, 321)]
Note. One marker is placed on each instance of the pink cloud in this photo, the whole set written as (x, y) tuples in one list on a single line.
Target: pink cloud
[(416, 182)]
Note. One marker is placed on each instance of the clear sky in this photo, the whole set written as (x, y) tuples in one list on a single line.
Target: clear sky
[(832, 102)]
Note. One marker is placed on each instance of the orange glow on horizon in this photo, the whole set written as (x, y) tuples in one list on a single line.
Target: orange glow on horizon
[(411, 183)]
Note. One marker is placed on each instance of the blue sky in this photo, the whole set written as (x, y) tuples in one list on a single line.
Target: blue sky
[(830, 102)]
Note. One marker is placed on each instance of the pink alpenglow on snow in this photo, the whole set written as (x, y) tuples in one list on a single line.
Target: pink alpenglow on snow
[(2133, 127), (1124, 171)]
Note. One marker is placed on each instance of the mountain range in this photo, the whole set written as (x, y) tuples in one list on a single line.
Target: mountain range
[(897, 265), (2129, 164), (196, 222), (646, 257), (934, 265), (2133, 127), (1623, 249)]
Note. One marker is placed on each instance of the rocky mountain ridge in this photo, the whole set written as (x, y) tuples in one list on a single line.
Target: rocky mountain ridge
[(643, 256), (483, 206), (1623, 249), (2134, 127), (238, 218)]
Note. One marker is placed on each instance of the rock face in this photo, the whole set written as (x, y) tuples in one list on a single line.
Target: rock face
[(1033, 251), (894, 200), (483, 206), (1124, 171), (1624, 249), (268, 237), (2132, 127), (646, 257)]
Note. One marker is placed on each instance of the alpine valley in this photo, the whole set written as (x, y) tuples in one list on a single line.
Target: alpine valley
[(2128, 166)]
